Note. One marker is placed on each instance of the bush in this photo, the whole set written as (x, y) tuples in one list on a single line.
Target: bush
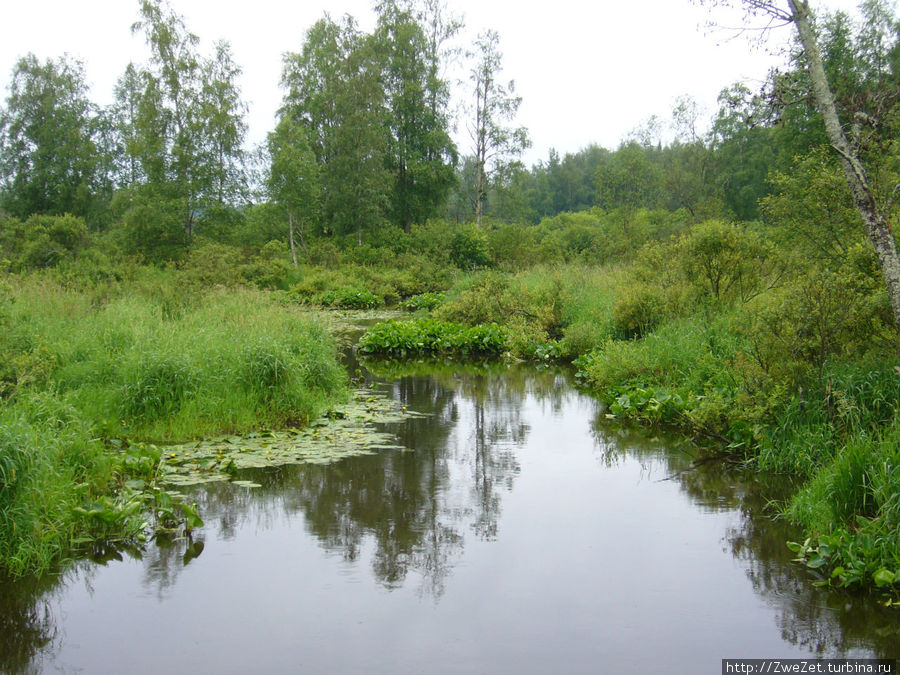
[(726, 261), (821, 317), (469, 248), (154, 228), (641, 308)]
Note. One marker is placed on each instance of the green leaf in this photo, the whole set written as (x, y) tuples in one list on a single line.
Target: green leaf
[(884, 577), (816, 562)]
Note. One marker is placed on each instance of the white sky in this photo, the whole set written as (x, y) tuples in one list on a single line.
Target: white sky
[(588, 71)]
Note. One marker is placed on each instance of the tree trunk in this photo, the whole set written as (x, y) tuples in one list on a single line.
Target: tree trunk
[(291, 238), (877, 227)]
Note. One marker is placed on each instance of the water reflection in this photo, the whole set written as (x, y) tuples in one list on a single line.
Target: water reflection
[(824, 622), (410, 515), (25, 613)]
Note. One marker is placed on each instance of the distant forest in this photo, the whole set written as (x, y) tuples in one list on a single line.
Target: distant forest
[(363, 138)]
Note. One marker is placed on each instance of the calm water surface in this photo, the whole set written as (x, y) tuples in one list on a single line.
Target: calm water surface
[(522, 534)]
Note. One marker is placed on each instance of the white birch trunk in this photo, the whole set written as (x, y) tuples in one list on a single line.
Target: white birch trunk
[(877, 227)]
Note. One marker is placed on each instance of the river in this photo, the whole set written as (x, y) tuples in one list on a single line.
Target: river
[(519, 531)]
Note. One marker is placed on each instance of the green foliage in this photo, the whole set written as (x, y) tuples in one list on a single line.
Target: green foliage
[(641, 308), (420, 337), (78, 374), (156, 386), (349, 298), (153, 227), (50, 133), (424, 302), (728, 262), (293, 179), (469, 249), (497, 144), (683, 374), (420, 153), (334, 86), (181, 119), (811, 209), (820, 317), (47, 459), (631, 179), (852, 503), (43, 241)]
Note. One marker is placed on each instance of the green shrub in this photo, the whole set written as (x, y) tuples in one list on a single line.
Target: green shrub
[(470, 249), (582, 337), (483, 300), (642, 307), (154, 228), (726, 261), (818, 318), (271, 268), (211, 264)]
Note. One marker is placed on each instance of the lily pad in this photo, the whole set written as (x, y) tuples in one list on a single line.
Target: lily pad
[(348, 431)]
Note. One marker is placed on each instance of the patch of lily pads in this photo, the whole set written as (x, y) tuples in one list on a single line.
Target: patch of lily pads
[(347, 431)]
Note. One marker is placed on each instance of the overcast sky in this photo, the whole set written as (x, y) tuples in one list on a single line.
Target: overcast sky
[(588, 71)]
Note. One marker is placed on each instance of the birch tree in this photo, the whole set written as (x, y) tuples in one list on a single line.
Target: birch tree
[(799, 14), (496, 105)]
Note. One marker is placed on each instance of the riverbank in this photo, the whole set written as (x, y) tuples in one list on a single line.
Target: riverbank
[(789, 379), (96, 377)]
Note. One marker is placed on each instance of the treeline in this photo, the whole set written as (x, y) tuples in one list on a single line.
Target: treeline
[(363, 141)]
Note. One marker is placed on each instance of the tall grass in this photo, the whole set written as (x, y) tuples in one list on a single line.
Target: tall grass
[(48, 465), (140, 363), (851, 508)]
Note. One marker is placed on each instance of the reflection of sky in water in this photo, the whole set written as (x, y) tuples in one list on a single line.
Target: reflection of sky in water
[(522, 535)]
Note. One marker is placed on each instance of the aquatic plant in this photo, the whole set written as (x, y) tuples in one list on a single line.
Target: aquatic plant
[(423, 301), (345, 431), (350, 298), (428, 336)]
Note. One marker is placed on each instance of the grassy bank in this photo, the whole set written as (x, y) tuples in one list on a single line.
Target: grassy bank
[(714, 333), (90, 376)]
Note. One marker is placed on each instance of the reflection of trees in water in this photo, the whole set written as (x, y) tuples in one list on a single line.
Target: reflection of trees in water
[(28, 625), (413, 506), (416, 507), (167, 557), (825, 622)]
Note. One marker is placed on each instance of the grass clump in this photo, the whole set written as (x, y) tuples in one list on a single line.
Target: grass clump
[(852, 508), (49, 465)]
